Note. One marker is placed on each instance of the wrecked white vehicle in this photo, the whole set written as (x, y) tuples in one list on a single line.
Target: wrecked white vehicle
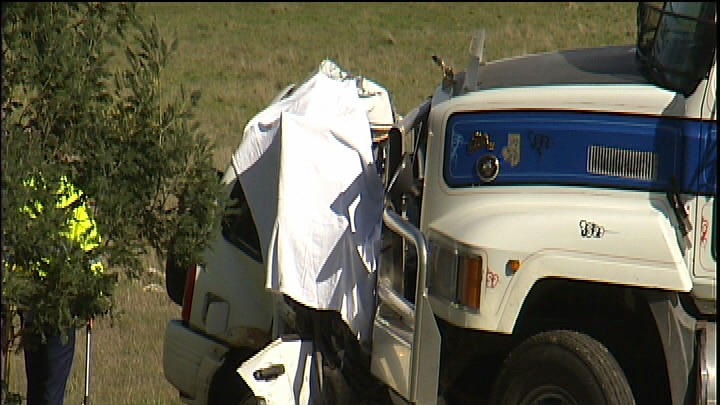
[(308, 196), (549, 236)]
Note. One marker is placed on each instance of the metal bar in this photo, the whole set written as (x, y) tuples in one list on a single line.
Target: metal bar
[(411, 233), (397, 302), (88, 333)]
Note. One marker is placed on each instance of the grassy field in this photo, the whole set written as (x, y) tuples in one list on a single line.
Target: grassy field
[(239, 55)]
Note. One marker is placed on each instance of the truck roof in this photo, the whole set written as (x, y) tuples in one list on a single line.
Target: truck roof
[(604, 65)]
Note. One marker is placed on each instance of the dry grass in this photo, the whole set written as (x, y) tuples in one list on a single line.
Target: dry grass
[(241, 54)]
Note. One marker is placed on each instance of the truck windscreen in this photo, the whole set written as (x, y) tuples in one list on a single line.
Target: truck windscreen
[(676, 42)]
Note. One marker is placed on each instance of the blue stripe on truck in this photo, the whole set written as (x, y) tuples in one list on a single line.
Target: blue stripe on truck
[(585, 149)]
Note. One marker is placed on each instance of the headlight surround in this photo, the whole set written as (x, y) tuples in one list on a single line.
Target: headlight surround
[(455, 274)]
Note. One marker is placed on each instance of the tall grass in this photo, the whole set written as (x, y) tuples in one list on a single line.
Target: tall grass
[(239, 55)]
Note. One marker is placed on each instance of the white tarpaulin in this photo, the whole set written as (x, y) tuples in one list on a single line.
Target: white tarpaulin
[(307, 169)]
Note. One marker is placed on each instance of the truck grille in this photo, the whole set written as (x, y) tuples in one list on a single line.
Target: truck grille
[(626, 163)]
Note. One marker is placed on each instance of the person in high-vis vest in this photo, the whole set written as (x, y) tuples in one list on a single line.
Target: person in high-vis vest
[(48, 365)]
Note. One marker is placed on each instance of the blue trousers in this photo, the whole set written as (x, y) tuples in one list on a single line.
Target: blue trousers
[(47, 367)]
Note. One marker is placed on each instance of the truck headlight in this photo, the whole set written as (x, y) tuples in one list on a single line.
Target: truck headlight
[(455, 274)]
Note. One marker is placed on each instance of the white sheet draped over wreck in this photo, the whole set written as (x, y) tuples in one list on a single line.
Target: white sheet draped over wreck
[(306, 165)]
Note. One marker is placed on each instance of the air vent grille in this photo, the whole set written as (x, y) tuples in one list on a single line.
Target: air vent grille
[(626, 163)]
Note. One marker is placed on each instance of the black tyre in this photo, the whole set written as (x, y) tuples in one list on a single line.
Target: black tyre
[(561, 367)]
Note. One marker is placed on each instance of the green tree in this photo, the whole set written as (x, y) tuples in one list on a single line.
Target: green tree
[(82, 98)]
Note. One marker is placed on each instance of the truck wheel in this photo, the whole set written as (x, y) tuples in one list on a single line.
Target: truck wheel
[(561, 367)]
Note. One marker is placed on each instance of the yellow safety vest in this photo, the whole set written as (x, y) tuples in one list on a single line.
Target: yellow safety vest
[(81, 226)]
